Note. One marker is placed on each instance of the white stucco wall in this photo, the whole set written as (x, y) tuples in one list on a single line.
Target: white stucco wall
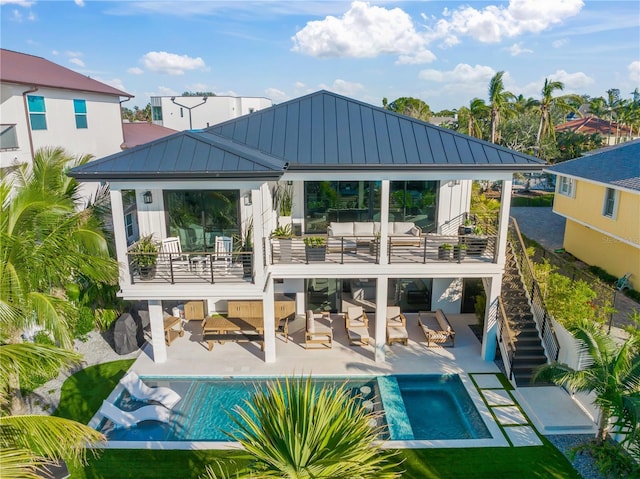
[(446, 294)]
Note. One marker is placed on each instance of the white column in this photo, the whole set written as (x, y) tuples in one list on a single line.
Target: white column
[(120, 236), (503, 226), (384, 221), (268, 315), (381, 318), (157, 331), (258, 234), (490, 336)]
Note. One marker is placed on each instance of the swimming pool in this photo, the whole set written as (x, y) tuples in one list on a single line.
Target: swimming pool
[(412, 407)]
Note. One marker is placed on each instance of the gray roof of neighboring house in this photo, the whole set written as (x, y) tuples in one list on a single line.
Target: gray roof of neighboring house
[(31, 70), (318, 132), (617, 166)]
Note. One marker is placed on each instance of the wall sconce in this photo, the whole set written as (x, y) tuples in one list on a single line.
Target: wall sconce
[(148, 199), (455, 183), (247, 199), (289, 183)]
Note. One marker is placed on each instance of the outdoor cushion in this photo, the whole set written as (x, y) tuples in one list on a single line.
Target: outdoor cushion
[(406, 228), (341, 229), (311, 324), (363, 229)]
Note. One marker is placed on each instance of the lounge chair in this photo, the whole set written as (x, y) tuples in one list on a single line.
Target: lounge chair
[(120, 418), (396, 326), (318, 331), (441, 333), (140, 391), (357, 325)]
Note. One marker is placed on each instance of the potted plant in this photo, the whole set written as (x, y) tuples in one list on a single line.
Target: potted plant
[(283, 235), (444, 251), (283, 200), (247, 249), (315, 248), (476, 242), (467, 227), (144, 255), (459, 251)]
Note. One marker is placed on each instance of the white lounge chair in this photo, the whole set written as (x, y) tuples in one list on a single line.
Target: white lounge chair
[(140, 391), (120, 418)]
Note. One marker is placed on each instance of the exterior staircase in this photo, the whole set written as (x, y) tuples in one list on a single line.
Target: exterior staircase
[(529, 352)]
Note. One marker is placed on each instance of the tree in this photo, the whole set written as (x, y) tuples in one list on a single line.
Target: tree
[(498, 103), (546, 105), (295, 429), (409, 106), (137, 114), (613, 374), (473, 120)]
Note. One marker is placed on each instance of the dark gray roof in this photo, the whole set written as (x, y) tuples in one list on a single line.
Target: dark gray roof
[(617, 166), (184, 155), (324, 130), (318, 132)]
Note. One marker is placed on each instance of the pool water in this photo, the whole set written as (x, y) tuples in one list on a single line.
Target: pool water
[(410, 407)]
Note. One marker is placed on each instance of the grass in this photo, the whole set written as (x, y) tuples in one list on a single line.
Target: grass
[(83, 393), (544, 200)]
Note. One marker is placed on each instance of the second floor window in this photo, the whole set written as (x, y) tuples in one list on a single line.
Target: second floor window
[(37, 112), (566, 187), (8, 137), (80, 110), (610, 203), (156, 113)]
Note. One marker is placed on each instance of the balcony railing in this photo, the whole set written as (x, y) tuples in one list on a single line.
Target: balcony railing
[(426, 248), (193, 267)]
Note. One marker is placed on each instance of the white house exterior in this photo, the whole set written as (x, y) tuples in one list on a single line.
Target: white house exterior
[(194, 112), (44, 104), (349, 165)]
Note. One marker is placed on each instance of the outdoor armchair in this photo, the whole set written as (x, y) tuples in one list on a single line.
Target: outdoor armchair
[(357, 325)]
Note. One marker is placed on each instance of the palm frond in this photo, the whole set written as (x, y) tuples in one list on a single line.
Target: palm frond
[(20, 463)]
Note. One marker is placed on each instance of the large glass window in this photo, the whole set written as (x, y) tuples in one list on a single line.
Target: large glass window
[(37, 112), (8, 137), (566, 186), (328, 201), (610, 198), (156, 113), (198, 217), (80, 110), (414, 201)]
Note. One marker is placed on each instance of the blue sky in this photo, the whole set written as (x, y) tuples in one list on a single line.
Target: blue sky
[(441, 52)]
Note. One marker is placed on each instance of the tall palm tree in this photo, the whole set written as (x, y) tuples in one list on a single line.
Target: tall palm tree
[(546, 105), (613, 374), (498, 103), (297, 430)]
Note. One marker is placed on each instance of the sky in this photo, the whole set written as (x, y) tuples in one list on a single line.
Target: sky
[(442, 52)]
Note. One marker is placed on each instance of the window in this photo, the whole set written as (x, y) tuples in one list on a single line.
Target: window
[(80, 109), (37, 111), (610, 203), (128, 223), (8, 137), (156, 113), (566, 186)]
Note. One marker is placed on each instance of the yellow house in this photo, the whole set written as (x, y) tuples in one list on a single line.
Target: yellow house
[(599, 195)]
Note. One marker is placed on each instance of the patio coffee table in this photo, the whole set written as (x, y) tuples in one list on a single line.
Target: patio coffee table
[(170, 333), (219, 328)]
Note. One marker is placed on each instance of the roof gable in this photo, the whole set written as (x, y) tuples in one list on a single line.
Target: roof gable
[(326, 130), (31, 70), (618, 166)]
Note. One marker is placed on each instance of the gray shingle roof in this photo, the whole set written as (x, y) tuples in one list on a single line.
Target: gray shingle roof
[(318, 132), (617, 166)]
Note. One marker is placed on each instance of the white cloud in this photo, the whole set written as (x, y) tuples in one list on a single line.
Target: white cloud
[(493, 23), (115, 83), (343, 87), (275, 95), (516, 49), (572, 81), (418, 58), (299, 84), (363, 31), (76, 61), (170, 63), (634, 71), (165, 91), (20, 3), (80, 3), (462, 73), (559, 43), (135, 71)]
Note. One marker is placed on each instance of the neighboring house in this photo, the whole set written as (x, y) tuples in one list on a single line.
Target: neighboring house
[(45, 104), (385, 191), (197, 112), (141, 132), (599, 195), (611, 132)]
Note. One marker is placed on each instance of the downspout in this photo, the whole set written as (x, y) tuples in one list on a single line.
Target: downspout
[(26, 111), (123, 146)]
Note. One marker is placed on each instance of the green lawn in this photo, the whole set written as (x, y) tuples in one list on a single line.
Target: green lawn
[(83, 393)]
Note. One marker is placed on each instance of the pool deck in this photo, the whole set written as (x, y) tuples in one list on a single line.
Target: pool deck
[(514, 417)]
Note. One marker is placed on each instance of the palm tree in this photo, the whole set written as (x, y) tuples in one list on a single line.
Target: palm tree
[(297, 430), (498, 102), (546, 105), (612, 373)]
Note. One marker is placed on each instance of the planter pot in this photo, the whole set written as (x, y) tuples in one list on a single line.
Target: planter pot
[(147, 272), (476, 245), (284, 221), (316, 253), (444, 254), (285, 249), (459, 253), (247, 265), (465, 230)]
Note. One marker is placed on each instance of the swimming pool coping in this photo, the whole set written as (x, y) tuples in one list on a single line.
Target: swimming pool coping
[(497, 439)]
